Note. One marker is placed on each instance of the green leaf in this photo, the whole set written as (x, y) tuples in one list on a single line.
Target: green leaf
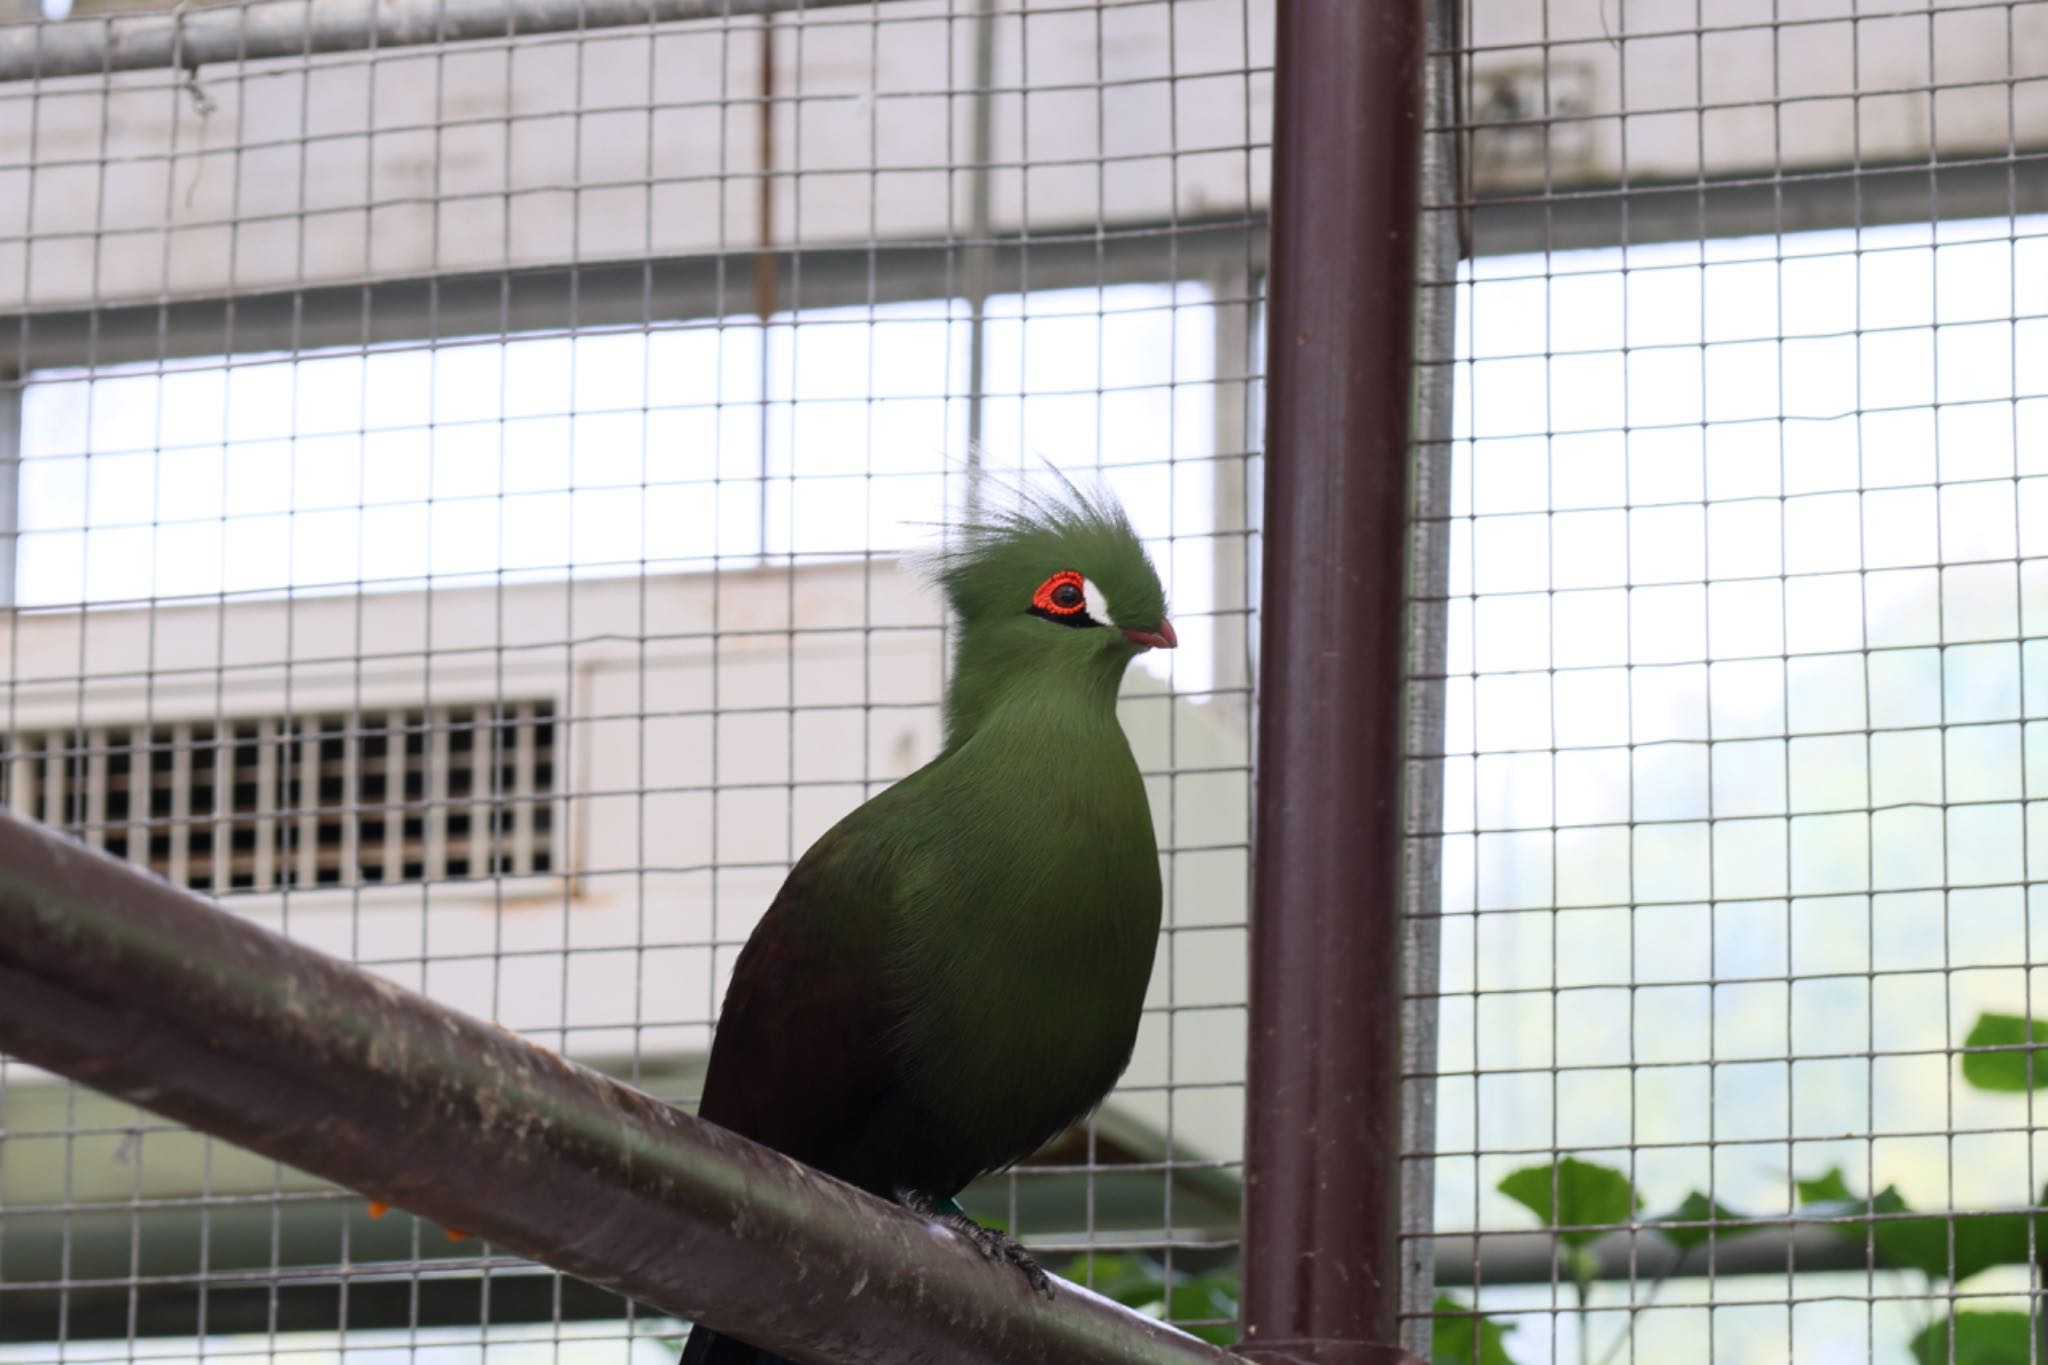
[(1826, 1188), (1468, 1338), (1829, 1196), (1140, 1283), (1981, 1339), (1922, 1244), (2006, 1070), (1130, 1280), (1697, 1208), (1981, 1241), (1587, 1195), (1206, 1305)]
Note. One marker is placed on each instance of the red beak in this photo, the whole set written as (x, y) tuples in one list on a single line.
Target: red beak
[(1162, 638)]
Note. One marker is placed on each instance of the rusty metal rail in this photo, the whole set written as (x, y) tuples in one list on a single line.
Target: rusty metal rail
[(130, 985)]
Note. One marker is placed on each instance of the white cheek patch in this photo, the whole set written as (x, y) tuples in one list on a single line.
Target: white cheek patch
[(1097, 604)]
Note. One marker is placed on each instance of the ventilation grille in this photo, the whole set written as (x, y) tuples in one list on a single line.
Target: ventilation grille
[(268, 802)]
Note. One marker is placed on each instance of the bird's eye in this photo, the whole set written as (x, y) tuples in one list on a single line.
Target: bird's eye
[(1070, 600)]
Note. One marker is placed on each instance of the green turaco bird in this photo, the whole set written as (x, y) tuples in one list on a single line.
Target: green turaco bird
[(953, 973)]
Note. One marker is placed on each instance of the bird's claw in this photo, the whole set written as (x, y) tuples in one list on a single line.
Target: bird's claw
[(993, 1243), (1002, 1248)]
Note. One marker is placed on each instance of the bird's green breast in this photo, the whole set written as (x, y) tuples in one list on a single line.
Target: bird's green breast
[(1023, 941)]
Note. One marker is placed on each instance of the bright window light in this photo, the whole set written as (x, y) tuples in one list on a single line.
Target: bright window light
[(498, 459), (1746, 536)]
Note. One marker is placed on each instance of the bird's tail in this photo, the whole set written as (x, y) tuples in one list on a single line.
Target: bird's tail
[(706, 1347)]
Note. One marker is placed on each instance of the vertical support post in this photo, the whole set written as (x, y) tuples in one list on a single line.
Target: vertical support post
[(1439, 253), (436, 828), (269, 741), (1322, 1277), (765, 272), (351, 802), (24, 775), (307, 872), (397, 807), (94, 815), (525, 764), (179, 870), (223, 832), (57, 777), (11, 381), (141, 785), (1233, 441), (980, 225)]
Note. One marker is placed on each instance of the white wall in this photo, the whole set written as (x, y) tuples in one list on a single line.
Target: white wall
[(619, 144), (1803, 84)]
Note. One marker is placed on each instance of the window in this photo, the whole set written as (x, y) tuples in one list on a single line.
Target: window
[(677, 448), (263, 803), (1745, 554), (474, 462)]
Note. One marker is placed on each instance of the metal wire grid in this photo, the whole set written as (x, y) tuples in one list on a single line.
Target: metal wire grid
[(500, 375), (1739, 553)]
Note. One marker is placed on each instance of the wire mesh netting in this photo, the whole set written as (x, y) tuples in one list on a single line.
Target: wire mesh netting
[(456, 495), (1739, 595), (455, 499)]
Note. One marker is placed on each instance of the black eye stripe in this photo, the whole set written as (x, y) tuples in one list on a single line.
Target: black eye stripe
[(1077, 619), (1080, 621)]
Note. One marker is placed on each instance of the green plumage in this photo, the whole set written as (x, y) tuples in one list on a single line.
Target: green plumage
[(954, 972)]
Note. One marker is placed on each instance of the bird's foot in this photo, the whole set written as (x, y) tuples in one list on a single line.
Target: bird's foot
[(995, 1244)]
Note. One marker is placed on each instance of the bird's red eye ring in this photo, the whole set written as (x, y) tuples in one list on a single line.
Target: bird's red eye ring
[(1061, 595)]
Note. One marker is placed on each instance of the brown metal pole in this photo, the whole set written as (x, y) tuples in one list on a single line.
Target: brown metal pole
[(1323, 1174), (117, 979)]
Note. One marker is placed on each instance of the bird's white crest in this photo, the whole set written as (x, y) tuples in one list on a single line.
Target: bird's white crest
[(1098, 605)]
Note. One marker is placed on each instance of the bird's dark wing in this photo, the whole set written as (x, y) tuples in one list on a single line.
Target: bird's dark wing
[(706, 1347), (803, 1058)]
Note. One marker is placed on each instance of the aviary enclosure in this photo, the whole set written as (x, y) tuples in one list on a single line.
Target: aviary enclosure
[(458, 462)]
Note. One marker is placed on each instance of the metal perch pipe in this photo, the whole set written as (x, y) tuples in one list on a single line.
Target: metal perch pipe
[(121, 981), (299, 28)]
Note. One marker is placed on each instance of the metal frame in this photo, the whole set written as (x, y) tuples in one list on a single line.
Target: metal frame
[(1641, 213), (299, 28), (422, 310)]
